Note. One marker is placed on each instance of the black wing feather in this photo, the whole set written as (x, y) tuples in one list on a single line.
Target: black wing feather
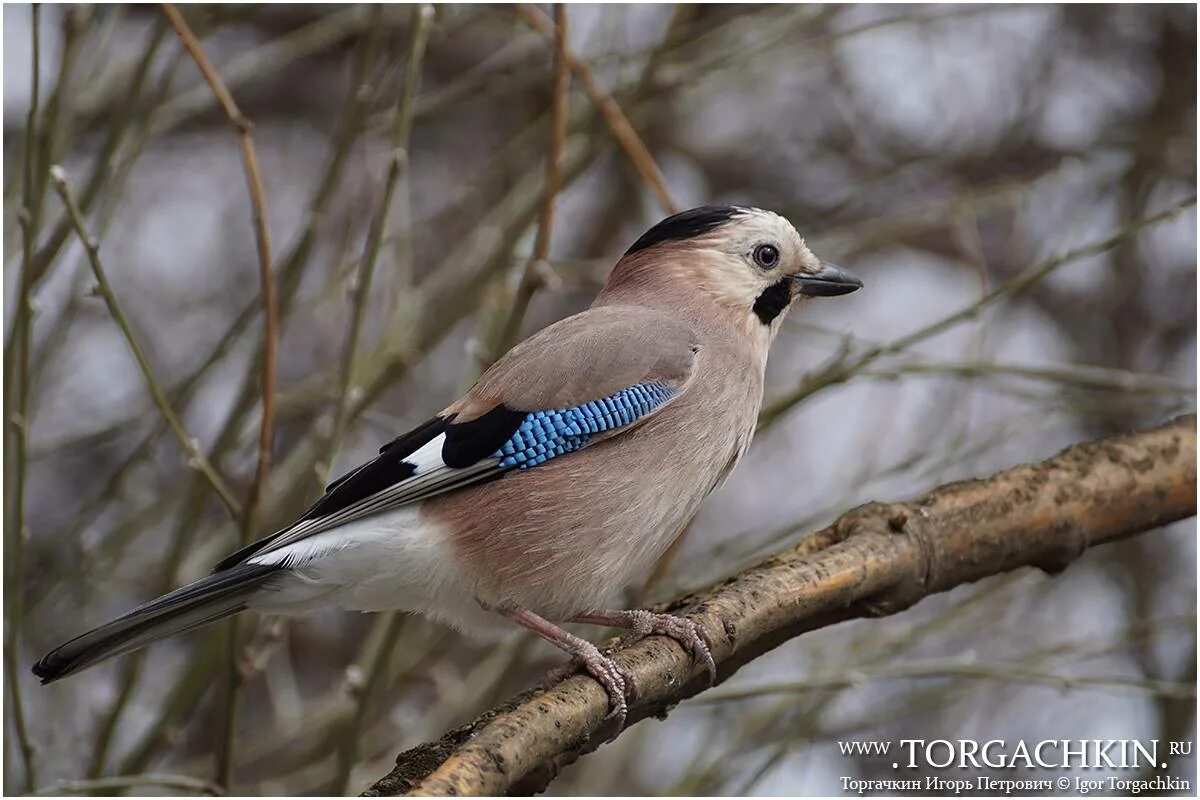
[(387, 468), (468, 443)]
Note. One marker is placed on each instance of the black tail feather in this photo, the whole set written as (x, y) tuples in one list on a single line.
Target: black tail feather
[(207, 600)]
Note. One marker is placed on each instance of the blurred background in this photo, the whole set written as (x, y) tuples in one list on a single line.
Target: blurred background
[(940, 152)]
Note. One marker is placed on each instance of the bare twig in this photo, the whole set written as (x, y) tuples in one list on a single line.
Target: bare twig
[(383, 642), (177, 703), (398, 161), (324, 33), (841, 370), (55, 127), (622, 129), (258, 203), (387, 627), (1076, 376), (878, 559), (189, 520), (196, 457), (181, 782), (16, 376), (107, 157), (534, 274), (289, 273), (997, 672)]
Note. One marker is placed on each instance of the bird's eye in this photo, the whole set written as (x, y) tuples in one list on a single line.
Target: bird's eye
[(766, 255)]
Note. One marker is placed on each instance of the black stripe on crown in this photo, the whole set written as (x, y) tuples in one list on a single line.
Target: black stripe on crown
[(687, 225)]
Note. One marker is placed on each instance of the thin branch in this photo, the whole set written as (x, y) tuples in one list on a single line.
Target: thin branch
[(841, 370), (533, 277), (384, 635), (176, 704), (258, 202), (288, 278), (188, 688), (17, 380), (195, 456), (56, 118), (327, 32), (996, 672), (189, 520), (107, 785), (387, 627), (422, 20), (107, 157), (1076, 376), (876, 560), (622, 129), (266, 435)]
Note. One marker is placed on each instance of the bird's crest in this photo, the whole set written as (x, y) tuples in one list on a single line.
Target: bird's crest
[(688, 225)]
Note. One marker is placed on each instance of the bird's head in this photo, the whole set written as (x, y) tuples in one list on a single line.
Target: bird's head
[(752, 263)]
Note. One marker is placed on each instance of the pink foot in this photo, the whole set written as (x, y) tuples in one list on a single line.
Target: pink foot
[(616, 679), (689, 634)]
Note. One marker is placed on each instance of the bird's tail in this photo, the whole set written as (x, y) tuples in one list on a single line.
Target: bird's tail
[(207, 600)]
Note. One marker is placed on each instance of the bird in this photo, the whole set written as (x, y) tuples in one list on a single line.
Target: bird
[(563, 473)]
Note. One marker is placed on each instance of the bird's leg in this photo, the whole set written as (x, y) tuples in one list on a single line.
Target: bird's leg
[(643, 623), (617, 680)]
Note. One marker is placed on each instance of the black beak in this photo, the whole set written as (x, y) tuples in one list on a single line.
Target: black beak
[(831, 281)]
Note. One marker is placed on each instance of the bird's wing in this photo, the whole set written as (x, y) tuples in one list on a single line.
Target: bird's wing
[(583, 379)]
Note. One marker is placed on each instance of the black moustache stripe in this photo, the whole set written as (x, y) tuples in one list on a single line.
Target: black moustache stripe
[(774, 299)]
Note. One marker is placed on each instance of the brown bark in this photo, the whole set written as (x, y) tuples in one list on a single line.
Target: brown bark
[(875, 560)]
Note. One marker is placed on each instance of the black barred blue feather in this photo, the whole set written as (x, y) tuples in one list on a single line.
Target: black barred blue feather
[(542, 435)]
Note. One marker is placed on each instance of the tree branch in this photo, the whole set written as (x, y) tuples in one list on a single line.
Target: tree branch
[(842, 369), (422, 22), (266, 432), (536, 268), (875, 560), (258, 204), (191, 447), (17, 378), (107, 785), (616, 119)]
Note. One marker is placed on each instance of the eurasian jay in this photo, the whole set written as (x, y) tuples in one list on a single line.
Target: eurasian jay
[(564, 472)]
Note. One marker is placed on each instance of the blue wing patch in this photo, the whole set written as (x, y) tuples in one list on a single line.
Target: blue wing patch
[(542, 435)]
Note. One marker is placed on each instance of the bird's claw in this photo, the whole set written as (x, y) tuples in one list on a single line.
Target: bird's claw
[(618, 681), (690, 635)]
